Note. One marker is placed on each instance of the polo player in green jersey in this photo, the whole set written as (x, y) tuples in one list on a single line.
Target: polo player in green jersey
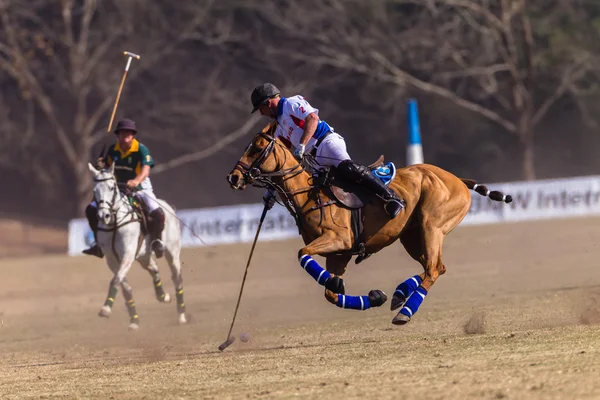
[(133, 163)]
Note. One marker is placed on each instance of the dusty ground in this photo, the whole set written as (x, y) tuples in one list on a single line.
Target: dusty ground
[(528, 294), (24, 239)]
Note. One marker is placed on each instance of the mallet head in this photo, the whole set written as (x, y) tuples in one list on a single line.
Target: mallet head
[(227, 343), (130, 54)]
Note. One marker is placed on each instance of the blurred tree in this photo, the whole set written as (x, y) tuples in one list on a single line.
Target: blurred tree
[(509, 61), (65, 58)]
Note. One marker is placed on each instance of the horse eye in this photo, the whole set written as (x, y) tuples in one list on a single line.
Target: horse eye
[(252, 149)]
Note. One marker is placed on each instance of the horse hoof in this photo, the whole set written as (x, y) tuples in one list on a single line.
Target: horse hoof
[(182, 319), (377, 298), (105, 312), (167, 298), (397, 302), (400, 319), (134, 326), (336, 285)]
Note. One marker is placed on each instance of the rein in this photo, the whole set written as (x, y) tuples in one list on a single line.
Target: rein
[(117, 199), (254, 176)]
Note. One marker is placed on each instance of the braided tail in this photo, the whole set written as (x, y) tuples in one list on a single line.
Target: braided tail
[(484, 191)]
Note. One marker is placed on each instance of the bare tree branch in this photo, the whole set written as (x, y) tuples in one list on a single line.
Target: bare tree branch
[(211, 150)]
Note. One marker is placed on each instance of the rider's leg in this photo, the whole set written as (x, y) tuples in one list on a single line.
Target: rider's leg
[(91, 213), (156, 221), (332, 151), (353, 172)]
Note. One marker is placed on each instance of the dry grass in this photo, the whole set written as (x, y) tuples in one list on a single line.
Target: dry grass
[(520, 325)]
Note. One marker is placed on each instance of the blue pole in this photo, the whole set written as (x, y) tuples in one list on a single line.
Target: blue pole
[(414, 150)]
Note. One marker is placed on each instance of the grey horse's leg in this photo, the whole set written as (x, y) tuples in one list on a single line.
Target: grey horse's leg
[(150, 265), (134, 319), (175, 265), (120, 277), (113, 289)]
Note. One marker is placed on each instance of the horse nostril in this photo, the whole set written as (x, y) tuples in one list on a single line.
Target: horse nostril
[(233, 179)]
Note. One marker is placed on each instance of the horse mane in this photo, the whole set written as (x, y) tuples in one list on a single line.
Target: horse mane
[(270, 128)]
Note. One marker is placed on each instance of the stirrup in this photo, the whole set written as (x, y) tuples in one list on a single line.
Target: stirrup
[(158, 247)]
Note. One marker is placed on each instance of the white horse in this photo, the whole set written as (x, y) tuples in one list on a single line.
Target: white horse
[(122, 240)]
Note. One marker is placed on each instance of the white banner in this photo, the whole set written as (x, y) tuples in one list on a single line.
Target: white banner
[(554, 198), (210, 226), (543, 199)]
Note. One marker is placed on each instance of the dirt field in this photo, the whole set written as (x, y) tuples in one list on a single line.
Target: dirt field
[(529, 294)]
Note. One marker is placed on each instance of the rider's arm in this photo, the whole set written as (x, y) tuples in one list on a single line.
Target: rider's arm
[(310, 126), (144, 173), (147, 163), (302, 110)]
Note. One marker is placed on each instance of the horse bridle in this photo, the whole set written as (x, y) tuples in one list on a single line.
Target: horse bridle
[(113, 212), (109, 205), (252, 173)]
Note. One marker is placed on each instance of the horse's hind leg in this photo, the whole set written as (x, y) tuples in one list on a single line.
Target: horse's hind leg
[(433, 239), (134, 319), (412, 240), (150, 265), (175, 265)]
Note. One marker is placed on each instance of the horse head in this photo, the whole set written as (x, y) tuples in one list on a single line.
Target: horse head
[(106, 193), (265, 157)]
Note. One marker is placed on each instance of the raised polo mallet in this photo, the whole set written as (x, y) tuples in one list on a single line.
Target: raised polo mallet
[(131, 56), (231, 339)]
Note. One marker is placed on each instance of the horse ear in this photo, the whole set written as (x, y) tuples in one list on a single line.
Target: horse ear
[(93, 169)]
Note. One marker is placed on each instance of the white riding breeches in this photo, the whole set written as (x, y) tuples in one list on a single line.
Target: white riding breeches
[(331, 151), (146, 195)]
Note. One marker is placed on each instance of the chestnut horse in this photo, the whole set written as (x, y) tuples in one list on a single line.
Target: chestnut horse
[(436, 202)]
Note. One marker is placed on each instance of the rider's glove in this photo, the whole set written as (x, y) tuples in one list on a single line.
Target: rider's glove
[(299, 152), (269, 199)]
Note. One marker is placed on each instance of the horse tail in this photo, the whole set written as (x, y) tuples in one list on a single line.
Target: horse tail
[(484, 191)]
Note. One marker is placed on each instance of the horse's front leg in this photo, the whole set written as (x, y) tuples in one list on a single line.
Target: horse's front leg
[(113, 289), (329, 243), (120, 270), (134, 319), (336, 265)]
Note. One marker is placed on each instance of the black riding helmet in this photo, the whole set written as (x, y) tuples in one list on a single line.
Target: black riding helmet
[(262, 93)]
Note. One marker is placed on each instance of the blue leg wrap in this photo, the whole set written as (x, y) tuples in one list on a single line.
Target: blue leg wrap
[(315, 270), (353, 302), (407, 287), (414, 302)]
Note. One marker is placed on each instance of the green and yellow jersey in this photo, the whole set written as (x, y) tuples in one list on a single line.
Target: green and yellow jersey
[(129, 164)]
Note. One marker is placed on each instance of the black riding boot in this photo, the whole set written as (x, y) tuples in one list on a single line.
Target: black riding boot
[(157, 224), (353, 172), (91, 214)]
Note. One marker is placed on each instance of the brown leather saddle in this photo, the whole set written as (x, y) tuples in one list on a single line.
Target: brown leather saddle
[(354, 198)]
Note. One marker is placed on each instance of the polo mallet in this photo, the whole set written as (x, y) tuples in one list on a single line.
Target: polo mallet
[(131, 56), (231, 339)]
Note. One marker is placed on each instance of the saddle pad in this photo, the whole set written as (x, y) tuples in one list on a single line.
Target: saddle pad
[(385, 173)]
